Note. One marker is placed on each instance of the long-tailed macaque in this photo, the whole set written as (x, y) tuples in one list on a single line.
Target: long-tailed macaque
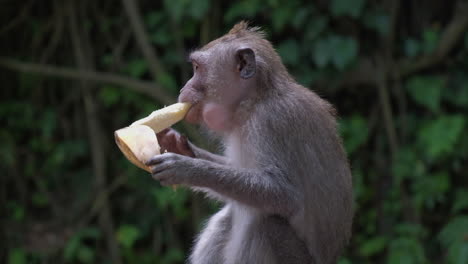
[(284, 177)]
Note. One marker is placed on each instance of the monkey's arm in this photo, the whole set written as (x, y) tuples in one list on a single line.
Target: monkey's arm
[(266, 189), (206, 155)]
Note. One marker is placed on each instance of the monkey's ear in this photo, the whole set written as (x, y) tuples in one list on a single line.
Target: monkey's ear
[(245, 58)]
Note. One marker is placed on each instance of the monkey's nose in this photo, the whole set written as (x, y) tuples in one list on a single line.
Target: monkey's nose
[(188, 95)]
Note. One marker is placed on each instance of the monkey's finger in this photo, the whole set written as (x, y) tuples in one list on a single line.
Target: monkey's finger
[(164, 131), (165, 182), (162, 134), (167, 178), (161, 167), (182, 145), (155, 160)]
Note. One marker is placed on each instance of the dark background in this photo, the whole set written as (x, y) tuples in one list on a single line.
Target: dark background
[(72, 72)]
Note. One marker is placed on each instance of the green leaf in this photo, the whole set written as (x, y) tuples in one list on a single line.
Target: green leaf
[(127, 235), (136, 68), (161, 36), (346, 49), (426, 90), (176, 9), (431, 189), (90, 232), (461, 201), (466, 40), (85, 254), (408, 165), (166, 199), (15, 210), (48, 123), (173, 255), (458, 254), (71, 248), (355, 131), (412, 47), (153, 19), (454, 237), (410, 230), (457, 90), (74, 246), (109, 95), (405, 250), (281, 16), (430, 40), (378, 22), (454, 231), (322, 54), (198, 9), (300, 17), (315, 27), (40, 199), (289, 51), (18, 214), (337, 50), (440, 136), (352, 8), (343, 260), (242, 9), (17, 256), (168, 82), (373, 246)]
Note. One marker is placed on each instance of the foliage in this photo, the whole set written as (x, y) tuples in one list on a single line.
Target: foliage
[(404, 130)]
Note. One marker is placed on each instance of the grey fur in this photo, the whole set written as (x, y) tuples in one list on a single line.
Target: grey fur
[(284, 177)]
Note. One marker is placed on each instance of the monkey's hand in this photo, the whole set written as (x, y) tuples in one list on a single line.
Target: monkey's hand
[(172, 141), (172, 168)]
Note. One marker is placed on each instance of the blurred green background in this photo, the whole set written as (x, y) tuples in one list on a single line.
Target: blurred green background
[(72, 72)]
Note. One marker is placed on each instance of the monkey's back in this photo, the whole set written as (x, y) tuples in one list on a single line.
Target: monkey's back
[(303, 143)]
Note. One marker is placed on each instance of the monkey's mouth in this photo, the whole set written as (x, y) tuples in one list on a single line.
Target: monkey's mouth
[(193, 115)]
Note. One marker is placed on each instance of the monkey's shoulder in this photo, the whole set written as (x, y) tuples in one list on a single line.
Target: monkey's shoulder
[(294, 108)]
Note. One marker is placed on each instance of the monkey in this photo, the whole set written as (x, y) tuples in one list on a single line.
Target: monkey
[(283, 179)]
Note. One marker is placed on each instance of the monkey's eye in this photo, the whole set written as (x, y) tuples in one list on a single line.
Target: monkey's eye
[(195, 67)]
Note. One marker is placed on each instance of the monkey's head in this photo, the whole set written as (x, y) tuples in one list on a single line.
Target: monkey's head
[(226, 72)]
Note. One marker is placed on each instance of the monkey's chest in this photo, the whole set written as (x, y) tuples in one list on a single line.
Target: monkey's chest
[(238, 153)]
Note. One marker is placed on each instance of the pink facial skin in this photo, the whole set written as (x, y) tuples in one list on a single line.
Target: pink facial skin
[(216, 117)]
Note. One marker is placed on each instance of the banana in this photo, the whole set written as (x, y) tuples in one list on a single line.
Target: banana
[(139, 143), (165, 117)]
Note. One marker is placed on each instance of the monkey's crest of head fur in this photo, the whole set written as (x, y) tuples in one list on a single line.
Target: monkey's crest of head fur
[(242, 29), (269, 64)]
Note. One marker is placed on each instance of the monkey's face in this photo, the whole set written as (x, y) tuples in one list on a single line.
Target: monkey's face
[(223, 77)]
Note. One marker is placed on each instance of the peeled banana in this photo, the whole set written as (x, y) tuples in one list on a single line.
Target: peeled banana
[(139, 143), (165, 117)]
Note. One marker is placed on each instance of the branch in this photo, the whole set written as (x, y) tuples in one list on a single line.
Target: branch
[(19, 18), (450, 37), (389, 40), (364, 73), (384, 98), (100, 199), (95, 132), (147, 88), (180, 48), (138, 28)]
